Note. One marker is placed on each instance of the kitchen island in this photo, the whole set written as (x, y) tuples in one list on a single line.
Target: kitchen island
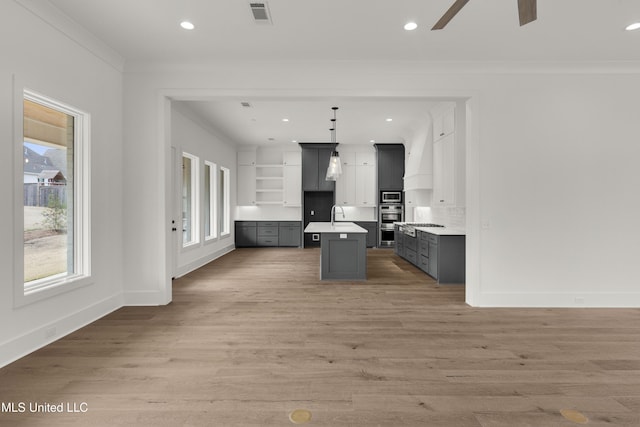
[(343, 250)]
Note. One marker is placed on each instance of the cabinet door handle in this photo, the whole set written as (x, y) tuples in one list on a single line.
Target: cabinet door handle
[(441, 200), (442, 134)]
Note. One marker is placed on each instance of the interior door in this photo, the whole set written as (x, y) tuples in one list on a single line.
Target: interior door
[(176, 212)]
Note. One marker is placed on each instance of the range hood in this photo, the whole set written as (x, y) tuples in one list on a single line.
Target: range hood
[(418, 174)]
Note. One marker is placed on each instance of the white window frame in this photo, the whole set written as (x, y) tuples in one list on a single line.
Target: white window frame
[(56, 284), (213, 200), (225, 227), (195, 200)]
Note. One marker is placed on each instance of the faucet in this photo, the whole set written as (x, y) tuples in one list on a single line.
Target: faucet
[(333, 213)]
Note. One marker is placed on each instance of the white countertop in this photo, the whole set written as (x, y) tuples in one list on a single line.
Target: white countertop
[(438, 231), (442, 231), (337, 227)]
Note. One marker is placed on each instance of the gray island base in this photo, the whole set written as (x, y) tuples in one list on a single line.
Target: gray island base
[(343, 250)]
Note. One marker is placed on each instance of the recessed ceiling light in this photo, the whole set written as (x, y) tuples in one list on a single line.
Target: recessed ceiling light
[(285, 120), (294, 140), (187, 25), (634, 26), (410, 26), (389, 119), (372, 140)]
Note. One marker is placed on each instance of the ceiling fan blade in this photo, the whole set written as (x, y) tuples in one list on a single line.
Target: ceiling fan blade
[(449, 14), (528, 11)]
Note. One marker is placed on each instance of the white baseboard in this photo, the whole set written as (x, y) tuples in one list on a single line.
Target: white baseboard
[(194, 265), (25, 344), (559, 300), (144, 298)]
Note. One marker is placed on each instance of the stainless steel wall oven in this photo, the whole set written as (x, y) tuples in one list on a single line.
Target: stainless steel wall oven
[(388, 213)]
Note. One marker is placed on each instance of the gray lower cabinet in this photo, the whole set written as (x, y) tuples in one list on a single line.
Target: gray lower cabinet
[(423, 253), (441, 257), (398, 237), (343, 256), (372, 229), (268, 233), (289, 233), (246, 234), (432, 265), (411, 249)]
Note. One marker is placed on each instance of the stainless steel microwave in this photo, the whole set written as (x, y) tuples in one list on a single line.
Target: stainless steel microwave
[(391, 197)]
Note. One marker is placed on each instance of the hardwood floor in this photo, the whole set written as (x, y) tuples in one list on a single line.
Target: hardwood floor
[(255, 335)]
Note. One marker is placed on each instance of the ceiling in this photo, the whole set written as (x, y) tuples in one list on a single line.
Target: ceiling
[(566, 30), (148, 31), (359, 120)]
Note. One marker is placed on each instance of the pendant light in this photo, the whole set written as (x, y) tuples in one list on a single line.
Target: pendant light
[(334, 170)]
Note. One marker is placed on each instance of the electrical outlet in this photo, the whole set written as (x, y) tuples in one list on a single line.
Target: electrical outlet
[(50, 332)]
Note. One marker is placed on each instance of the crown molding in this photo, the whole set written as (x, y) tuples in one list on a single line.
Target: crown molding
[(405, 67)]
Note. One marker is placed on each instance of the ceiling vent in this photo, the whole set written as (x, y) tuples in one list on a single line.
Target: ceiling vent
[(261, 13)]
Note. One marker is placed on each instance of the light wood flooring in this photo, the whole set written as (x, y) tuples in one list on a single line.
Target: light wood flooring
[(255, 335)]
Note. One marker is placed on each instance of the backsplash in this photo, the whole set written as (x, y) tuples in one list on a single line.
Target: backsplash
[(452, 217)]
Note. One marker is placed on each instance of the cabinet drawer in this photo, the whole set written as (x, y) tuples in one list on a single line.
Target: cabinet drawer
[(290, 224), (268, 224), (246, 223), (411, 256), (411, 243), (423, 247), (431, 238), (267, 231), (268, 240), (423, 263)]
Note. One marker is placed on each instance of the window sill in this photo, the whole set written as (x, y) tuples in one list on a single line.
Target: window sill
[(44, 291)]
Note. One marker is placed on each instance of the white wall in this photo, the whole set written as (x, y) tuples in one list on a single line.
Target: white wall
[(559, 190), (45, 60), (550, 158), (187, 135)]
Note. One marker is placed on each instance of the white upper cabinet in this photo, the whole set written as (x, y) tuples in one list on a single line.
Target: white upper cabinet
[(366, 185), (345, 184), (292, 158), (444, 123), (246, 188), (247, 158), (269, 176), (357, 184), (246, 185), (292, 179), (365, 158), (444, 171), (449, 156)]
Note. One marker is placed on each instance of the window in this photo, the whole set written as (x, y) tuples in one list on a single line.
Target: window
[(55, 180), (210, 201), (190, 234), (225, 221)]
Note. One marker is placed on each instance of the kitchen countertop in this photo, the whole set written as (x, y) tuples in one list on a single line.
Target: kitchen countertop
[(442, 231), (337, 227), (438, 231)]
